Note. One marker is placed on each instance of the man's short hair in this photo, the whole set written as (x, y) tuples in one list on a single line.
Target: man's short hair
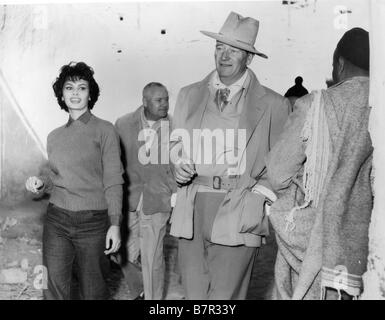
[(151, 85)]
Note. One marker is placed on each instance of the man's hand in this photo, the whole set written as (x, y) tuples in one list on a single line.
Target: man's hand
[(34, 184), (184, 172), (113, 235)]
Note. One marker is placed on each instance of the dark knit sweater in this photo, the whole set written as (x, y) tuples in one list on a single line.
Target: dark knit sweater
[(85, 167)]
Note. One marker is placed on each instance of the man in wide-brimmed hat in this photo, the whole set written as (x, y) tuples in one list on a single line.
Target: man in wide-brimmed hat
[(231, 121)]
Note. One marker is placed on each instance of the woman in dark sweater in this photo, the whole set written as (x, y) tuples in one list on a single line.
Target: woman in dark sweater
[(85, 186)]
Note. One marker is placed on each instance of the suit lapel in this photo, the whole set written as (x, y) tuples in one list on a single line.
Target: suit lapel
[(138, 127), (253, 108), (197, 109), (164, 144)]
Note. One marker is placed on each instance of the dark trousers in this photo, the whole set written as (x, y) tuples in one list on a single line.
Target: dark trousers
[(75, 239), (211, 271)]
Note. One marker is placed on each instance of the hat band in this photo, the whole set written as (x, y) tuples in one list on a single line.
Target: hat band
[(237, 40), (246, 43)]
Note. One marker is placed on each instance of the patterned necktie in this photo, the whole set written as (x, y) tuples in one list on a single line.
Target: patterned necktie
[(221, 97)]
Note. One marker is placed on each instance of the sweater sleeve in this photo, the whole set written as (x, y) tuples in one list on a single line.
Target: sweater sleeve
[(287, 156), (47, 183), (112, 165), (112, 174), (114, 196), (46, 172)]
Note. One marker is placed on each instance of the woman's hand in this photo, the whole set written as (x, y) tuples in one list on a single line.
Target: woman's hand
[(34, 184), (113, 235)]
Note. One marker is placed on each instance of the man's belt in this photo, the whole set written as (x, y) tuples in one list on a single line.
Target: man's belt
[(217, 182)]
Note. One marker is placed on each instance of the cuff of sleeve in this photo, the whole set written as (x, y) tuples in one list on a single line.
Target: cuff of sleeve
[(47, 184), (269, 194), (115, 219), (112, 181)]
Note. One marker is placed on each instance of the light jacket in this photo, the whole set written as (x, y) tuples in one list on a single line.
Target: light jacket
[(155, 181), (240, 219)]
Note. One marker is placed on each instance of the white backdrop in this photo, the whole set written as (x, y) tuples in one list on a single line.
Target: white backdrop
[(124, 45)]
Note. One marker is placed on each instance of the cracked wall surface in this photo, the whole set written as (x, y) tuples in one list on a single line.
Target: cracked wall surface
[(131, 44), (374, 278)]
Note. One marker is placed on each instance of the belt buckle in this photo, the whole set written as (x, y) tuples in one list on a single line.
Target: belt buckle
[(217, 182)]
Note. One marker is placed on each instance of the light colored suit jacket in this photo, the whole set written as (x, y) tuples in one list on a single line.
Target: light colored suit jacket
[(155, 181), (240, 219)]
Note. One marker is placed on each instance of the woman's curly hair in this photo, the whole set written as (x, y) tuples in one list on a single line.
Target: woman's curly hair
[(76, 71)]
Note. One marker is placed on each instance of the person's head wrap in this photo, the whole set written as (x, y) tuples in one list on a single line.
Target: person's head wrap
[(354, 47)]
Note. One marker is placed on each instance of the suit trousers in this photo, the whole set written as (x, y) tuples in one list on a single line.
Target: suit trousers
[(211, 271), (152, 232), (146, 237), (133, 239)]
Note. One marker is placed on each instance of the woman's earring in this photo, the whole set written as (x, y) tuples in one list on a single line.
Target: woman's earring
[(89, 98), (62, 98)]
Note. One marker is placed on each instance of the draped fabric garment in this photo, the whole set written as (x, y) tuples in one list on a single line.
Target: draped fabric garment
[(333, 236)]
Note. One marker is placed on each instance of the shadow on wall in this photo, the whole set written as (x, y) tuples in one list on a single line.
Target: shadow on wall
[(20, 154)]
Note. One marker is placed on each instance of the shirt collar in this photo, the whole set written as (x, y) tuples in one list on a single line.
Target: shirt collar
[(234, 88), (217, 83), (355, 78), (143, 119), (145, 123), (85, 117)]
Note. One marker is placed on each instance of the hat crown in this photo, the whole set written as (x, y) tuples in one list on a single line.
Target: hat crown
[(240, 28), (238, 32)]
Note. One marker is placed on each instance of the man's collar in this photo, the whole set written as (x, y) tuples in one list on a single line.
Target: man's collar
[(217, 83), (354, 78), (85, 117), (145, 121)]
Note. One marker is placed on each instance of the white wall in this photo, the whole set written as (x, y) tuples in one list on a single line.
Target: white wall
[(374, 279), (36, 40)]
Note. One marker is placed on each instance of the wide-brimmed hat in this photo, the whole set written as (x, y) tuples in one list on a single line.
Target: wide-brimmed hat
[(238, 32)]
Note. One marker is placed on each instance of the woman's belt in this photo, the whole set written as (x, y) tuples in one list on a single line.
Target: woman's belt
[(217, 182)]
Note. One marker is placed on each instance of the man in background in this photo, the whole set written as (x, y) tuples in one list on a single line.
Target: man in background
[(296, 91), (144, 136)]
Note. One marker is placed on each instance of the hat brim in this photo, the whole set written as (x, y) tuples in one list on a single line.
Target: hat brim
[(234, 43)]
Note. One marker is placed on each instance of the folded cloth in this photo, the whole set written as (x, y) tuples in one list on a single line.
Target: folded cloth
[(269, 194)]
